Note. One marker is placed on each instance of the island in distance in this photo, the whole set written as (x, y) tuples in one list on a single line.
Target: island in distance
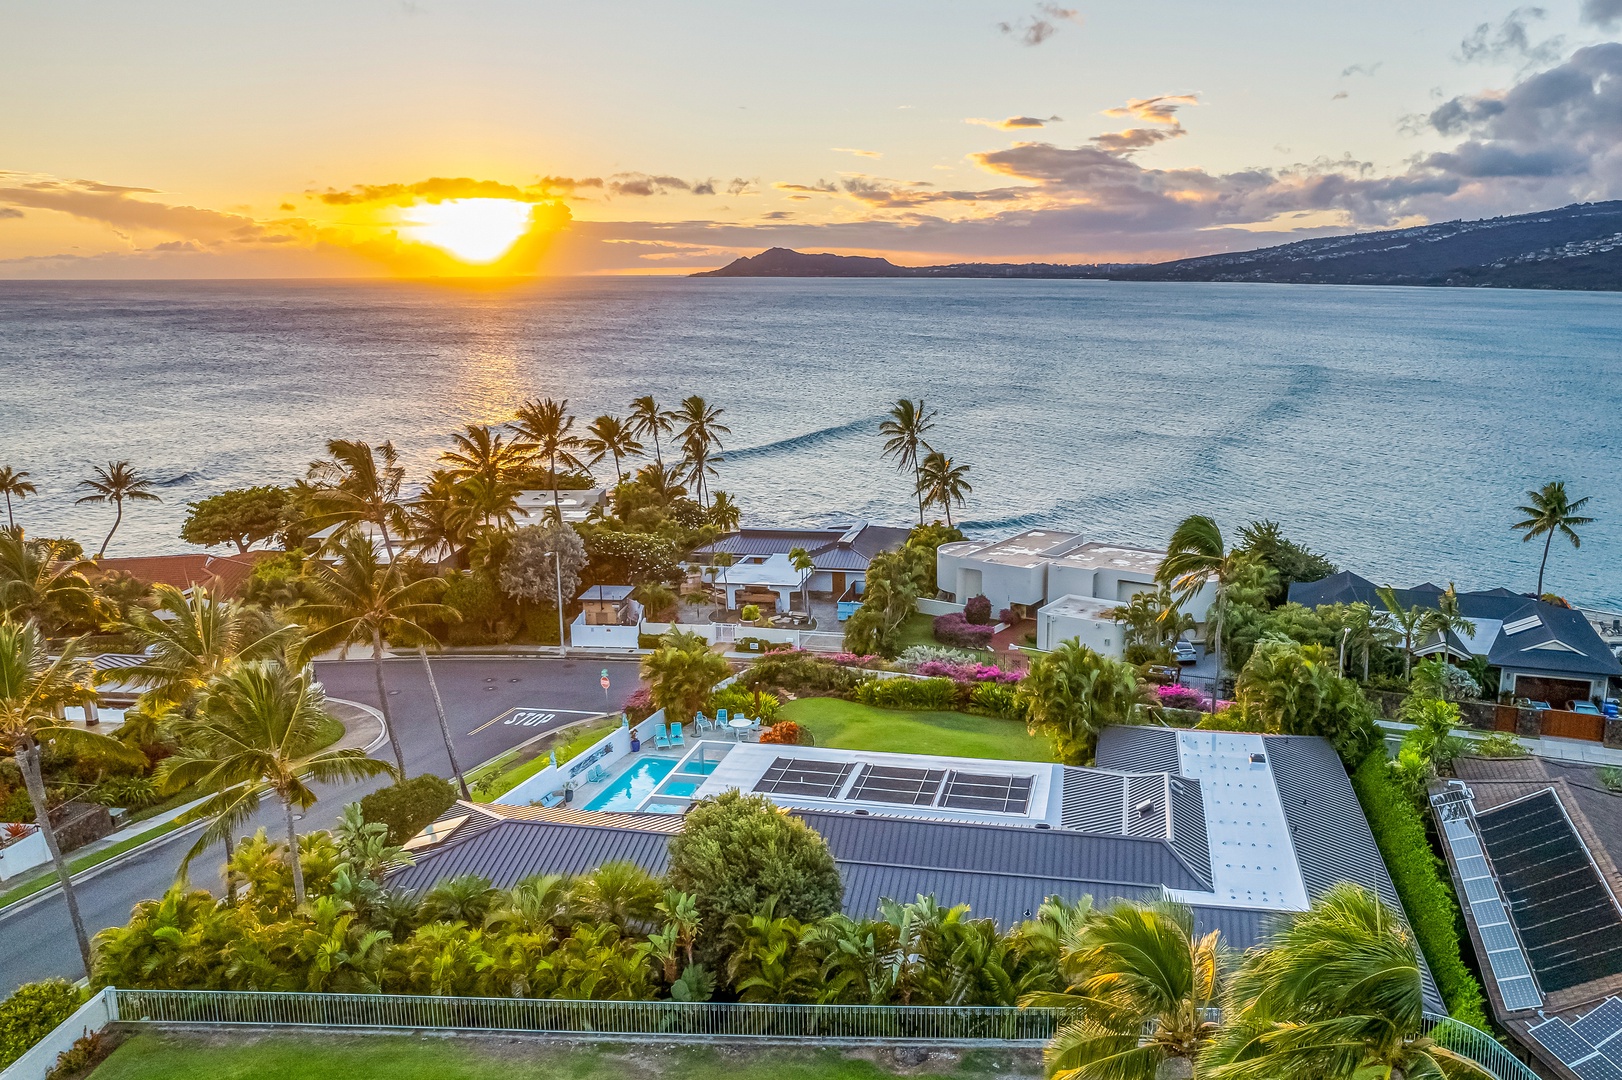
[(1574, 247)]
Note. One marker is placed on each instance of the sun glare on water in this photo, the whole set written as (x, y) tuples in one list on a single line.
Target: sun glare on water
[(473, 230)]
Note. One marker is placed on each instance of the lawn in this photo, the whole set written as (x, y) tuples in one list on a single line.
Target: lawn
[(150, 1056), (851, 726)]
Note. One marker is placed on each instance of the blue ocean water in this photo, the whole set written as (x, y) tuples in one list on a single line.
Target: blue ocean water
[(1394, 429)]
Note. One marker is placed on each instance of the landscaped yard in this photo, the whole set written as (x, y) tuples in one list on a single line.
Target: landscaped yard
[(316, 1057), (846, 724)]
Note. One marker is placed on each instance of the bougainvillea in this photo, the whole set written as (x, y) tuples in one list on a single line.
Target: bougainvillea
[(954, 629), (969, 672)]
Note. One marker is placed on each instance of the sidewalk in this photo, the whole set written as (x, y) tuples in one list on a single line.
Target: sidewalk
[(1573, 750)]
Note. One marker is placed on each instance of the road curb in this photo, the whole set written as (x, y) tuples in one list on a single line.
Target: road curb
[(376, 714)]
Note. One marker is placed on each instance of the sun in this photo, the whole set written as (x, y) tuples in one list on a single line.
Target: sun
[(473, 230)]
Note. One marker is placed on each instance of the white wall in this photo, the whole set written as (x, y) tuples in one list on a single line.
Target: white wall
[(550, 779), (23, 855), (585, 635), (1103, 636), (937, 607), (40, 1059)]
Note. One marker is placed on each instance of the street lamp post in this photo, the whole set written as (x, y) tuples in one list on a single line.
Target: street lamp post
[(1345, 632), (557, 580)]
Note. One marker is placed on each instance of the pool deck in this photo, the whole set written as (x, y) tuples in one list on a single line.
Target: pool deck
[(586, 793)]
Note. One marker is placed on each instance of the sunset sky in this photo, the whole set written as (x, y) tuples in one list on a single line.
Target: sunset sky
[(427, 137)]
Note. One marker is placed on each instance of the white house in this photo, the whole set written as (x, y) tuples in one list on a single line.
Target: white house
[(575, 505), (839, 558)]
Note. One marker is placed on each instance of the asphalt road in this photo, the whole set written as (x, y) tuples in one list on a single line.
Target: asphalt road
[(481, 696)]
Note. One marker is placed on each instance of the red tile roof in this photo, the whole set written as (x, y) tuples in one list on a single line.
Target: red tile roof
[(184, 571)]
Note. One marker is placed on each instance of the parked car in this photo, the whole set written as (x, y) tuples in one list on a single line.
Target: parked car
[(1184, 652), (1165, 676)]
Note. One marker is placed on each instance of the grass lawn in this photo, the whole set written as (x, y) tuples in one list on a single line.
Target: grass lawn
[(918, 629), (151, 1056), (846, 724)]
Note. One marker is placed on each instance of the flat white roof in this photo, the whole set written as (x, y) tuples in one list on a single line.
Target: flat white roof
[(1097, 556), (1081, 607)]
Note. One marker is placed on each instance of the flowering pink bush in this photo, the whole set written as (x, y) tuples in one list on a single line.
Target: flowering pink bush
[(953, 629), (639, 706), (845, 659), (966, 672)]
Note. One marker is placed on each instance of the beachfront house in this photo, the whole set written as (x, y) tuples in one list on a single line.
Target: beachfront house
[(1065, 583), (763, 574), (575, 505), (1542, 652)]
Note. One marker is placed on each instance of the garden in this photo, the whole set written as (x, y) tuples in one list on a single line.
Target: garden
[(851, 725)]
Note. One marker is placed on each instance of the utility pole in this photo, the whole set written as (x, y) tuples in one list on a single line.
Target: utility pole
[(557, 580)]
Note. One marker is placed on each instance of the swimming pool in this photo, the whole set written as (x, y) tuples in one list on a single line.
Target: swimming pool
[(683, 788), (633, 785)]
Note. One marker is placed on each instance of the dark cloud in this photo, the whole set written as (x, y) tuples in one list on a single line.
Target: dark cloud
[(1339, 95), (821, 187), (439, 188), (1037, 28), (9, 212), (778, 215), (740, 186), (1361, 69), (642, 184), (1134, 139), (1602, 13), (891, 194), (1510, 40), (1161, 109), (704, 187)]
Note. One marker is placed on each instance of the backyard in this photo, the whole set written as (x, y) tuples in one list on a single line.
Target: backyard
[(150, 1056), (852, 726)]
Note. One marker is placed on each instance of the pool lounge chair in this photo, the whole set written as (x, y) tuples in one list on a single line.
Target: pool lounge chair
[(597, 775), (676, 736), (720, 718), (703, 724), (552, 798), (661, 738)]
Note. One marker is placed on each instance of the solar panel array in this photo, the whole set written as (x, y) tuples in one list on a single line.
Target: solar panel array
[(1563, 910), (804, 776), (1592, 1046), (906, 787), (987, 791), (1505, 956)]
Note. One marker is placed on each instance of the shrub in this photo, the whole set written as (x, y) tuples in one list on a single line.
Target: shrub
[(409, 805), (740, 701), (1008, 616), (85, 1054), (647, 641), (736, 854), (954, 629), (1500, 744), (937, 694), (1226, 720), (970, 672), (1432, 910), (997, 699), (923, 654), (1181, 697), (32, 1012), (978, 610), (749, 613), (639, 706), (786, 733), (802, 673), (761, 645)]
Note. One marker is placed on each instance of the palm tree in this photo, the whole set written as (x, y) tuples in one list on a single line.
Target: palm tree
[(36, 583), (443, 517), (700, 434), (550, 427), (680, 674), (1196, 557), (904, 438), (487, 470), (802, 561), (1141, 985), (116, 484), (186, 641), (255, 726), (14, 483), (1072, 693), (609, 435), (1446, 619), (1409, 622), (359, 484), (724, 512), (943, 483), (647, 418), (1550, 510), (361, 600), (33, 689), (1336, 993)]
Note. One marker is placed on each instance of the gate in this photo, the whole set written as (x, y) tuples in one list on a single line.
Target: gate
[(1559, 724)]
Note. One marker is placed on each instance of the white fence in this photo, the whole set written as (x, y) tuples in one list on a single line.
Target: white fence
[(584, 635), (23, 855), (611, 747), (40, 1059), (938, 607)]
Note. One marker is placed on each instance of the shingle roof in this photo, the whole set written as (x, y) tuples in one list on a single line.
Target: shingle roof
[(184, 571)]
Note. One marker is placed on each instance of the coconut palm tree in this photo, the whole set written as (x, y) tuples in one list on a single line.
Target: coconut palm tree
[(359, 484), (186, 641), (724, 512), (1196, 557), (648, 419), (941, 482), (362, 600), (1141, 985), (14, 483), (444, 519), (487, 468), (253, 735), (1446, 619), (1409, 622), (700, 433), (1336, 993), (611, 436), (1549, 510), (118, 483), (37, 583), (549, 426), (33, 689), (903, 433), (802, 561)]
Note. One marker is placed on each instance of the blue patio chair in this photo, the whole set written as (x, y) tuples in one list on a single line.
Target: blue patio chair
[(676, 736), (597, 775), (754, 728), (720, 718), (661, 738), (552, 798), (702, 723)]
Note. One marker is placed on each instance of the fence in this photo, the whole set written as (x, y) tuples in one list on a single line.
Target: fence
[(1478, 1046)]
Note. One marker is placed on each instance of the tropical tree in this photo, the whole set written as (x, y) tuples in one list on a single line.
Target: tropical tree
[(903, 431), (549, 427), (1549, 510), (1142, 987), (724, 512), (700, 432), (1072, 693), (33, 689), (648, 420), (14, 484), (359, 599), (358, 484), (188, 640), (241, 516), (37, 582), (1196, 557), (611, 436), (1446, 619), (1152, 621), (1336, 993), (253, 735), (1295, 689), (1409, 622), (487, 469), (803, 563), (943, 483), (680, 674), (117, 483), (445, 516)]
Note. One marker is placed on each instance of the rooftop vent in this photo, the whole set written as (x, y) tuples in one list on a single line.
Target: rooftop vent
[(1258, 759), (1146, 808)]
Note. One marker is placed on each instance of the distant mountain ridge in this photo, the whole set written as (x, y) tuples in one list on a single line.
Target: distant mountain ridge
[(1573, 247)]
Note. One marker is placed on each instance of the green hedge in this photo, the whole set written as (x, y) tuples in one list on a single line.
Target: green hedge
[(999, 700), (937, 694), (33, 1012), (409, 805), (1421, 881)]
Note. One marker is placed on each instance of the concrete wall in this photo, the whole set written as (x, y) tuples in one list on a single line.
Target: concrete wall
[(40, 1059), (23, 855), (617, 744), (1103, 636), (937, 607)]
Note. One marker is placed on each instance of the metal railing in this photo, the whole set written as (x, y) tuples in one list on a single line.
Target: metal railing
[(961, 1026), (1478, 1046)]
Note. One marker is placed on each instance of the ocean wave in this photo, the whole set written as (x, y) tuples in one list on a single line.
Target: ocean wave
[(800, 442), (183, 478)]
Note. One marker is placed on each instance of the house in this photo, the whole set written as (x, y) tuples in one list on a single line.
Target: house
[(575, 505), (1242, 828), (839, 560), (227, 574), (609, 618), (1066, 583), (1543, 651)]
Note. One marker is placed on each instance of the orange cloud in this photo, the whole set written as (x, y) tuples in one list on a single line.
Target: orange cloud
[(1155, 110), (1015, 123)]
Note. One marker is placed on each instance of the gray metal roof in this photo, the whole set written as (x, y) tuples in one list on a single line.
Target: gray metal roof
[(839, 548), (1138, 749)]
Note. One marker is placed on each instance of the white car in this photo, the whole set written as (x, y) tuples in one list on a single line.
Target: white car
[(1184, 652)]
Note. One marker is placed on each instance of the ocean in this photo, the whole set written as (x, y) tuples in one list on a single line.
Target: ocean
[(1394, 429)]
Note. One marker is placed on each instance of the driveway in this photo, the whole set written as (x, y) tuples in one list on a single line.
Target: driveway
[(492, 704)]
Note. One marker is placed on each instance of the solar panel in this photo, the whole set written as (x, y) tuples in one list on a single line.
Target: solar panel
[(1519, 993), (888, 784), (1601, 1025), (1597, 1068), (1564, 912), (804, 776), (982, 791), (1565, 1043), (1499, 937)]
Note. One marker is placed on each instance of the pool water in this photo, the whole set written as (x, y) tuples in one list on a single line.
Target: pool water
[(702, 767), (633, 785), (684, 788)]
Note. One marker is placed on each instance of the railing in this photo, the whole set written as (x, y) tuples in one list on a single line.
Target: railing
[(1478, 1046), (961, 1026)]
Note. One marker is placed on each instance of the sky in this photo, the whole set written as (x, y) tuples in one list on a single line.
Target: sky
[(172, 139)]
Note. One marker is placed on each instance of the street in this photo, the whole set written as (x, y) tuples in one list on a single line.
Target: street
[(480, 695)]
